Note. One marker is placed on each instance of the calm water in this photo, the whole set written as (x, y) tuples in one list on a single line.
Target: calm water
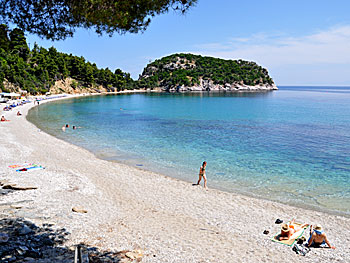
[(291, 145)]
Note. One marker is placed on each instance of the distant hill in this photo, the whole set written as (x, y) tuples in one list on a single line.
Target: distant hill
[(188, 72)]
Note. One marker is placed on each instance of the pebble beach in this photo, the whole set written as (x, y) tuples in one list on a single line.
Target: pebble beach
[(132, 215)]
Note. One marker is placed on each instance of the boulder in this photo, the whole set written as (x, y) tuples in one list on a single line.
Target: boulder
[(135, 254), (79, 210)]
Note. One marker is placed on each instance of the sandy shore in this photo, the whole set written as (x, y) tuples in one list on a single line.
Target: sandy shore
[(129, 209)]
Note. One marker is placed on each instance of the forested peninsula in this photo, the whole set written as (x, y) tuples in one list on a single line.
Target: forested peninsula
[(188, 72), (39, 71)]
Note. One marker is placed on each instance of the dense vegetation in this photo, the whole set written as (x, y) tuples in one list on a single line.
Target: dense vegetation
[(57, 19), (37, 70), (188, 69)]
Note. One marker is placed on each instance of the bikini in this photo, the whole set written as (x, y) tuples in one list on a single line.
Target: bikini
[(202, 173)]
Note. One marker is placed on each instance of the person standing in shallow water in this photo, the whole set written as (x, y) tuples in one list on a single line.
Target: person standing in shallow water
[(202, 174)]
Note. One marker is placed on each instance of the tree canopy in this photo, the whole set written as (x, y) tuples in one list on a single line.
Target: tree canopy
[(58, 19)]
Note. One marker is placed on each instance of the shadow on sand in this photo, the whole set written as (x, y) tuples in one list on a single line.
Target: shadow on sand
[(23, 241)]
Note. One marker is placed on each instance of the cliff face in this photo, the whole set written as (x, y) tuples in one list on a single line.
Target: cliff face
[(70, 86), (10, 87), (187, 72), (208, 85)]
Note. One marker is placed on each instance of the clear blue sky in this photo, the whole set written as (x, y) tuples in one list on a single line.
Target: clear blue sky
[(300, 42)]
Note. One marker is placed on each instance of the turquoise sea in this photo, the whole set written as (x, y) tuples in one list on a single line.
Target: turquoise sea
[(290, 145)]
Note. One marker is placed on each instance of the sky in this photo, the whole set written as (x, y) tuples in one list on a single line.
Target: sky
[(299, 42)]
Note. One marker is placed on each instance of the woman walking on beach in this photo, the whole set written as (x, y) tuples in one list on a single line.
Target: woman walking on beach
[(202, 174)]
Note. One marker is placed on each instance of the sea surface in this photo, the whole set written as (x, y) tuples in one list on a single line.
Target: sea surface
[(290, 145)]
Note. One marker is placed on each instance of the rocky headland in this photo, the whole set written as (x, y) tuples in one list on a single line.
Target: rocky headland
[(188, 72)]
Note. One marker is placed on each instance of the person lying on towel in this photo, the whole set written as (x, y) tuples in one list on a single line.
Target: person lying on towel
[(288, 230), (3, 118), (318, 237)]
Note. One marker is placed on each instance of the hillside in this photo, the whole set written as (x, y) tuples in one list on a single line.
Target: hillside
[(188, 72), (39, 70)]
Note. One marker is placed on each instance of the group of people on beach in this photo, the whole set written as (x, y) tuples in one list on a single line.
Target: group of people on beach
[(317, 238), (4, 119), (10, 107)]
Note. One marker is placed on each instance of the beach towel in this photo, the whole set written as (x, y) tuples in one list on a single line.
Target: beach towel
[(293, 238), (26, 167), (30, 168)]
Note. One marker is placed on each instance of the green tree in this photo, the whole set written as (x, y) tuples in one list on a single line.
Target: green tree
[(89, 76), (37, 70), (4, 39), (18, 43), (58, 19)]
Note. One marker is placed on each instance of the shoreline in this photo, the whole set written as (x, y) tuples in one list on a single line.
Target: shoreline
[(153, 169), (235, 191), (131, 208)]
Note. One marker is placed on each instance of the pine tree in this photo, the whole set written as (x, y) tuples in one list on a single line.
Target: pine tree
[(18, 44), (4, 39)]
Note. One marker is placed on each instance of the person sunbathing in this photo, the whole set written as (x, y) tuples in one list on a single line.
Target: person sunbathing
[(318, 238), (3, 118), (288, 230)]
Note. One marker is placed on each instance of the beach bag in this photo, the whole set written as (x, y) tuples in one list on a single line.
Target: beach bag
[(300, 249)]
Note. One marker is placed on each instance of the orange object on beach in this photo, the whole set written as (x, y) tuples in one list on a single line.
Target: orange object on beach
[(20, 165), (15, 166)]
